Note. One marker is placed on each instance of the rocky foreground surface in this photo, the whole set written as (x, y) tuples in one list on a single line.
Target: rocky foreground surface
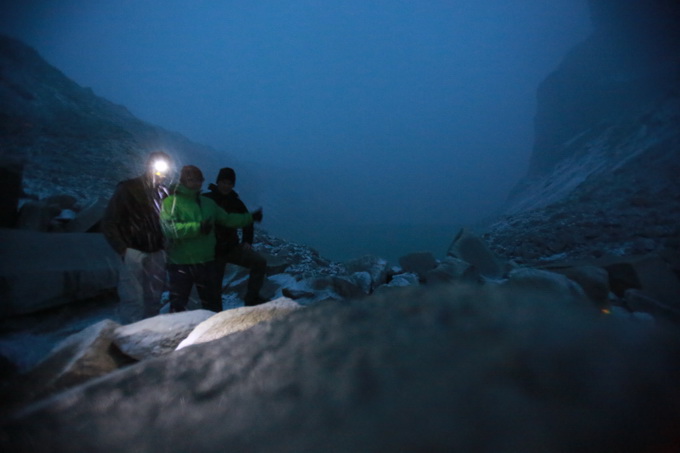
[(469, 352)]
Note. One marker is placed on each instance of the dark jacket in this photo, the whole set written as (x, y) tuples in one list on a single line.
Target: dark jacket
[(132, 218), (227, 238)]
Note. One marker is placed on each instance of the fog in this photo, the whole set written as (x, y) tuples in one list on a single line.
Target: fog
[(418, 115)]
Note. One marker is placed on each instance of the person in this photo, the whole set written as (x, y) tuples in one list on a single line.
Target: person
[(231, 249), (188, 220), (131, 225)]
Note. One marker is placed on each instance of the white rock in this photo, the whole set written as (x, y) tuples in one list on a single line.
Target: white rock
[(230, 321)]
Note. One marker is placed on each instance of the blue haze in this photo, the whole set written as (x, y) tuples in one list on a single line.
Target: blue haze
[(420, 113)]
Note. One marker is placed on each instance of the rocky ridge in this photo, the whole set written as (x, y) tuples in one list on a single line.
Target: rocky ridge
[(603, 175)]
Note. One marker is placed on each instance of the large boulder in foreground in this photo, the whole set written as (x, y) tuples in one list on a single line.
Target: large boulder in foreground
[(43, 270), (452, 369)]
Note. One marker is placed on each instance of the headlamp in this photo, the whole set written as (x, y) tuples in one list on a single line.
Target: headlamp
[(160, 167)]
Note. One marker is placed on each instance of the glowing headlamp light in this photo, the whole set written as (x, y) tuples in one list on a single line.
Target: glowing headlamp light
[(160, 167)]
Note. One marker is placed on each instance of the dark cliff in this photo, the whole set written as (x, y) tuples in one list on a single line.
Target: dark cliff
[(603, 173)]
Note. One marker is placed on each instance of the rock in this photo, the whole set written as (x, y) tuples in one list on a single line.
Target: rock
[(639, 301), (376, 267), (594, 280), (36, 216), (275, 264), (343, 287), (88, 217), (238, 319), (450, 270), (239, 287), (295, 294), (157, 336), (61, 202), (363, 280), (68, 267), (418, 263), (453, 369), (546, 282), (404, 280), (77, 359), (649, 273), (472, 249)]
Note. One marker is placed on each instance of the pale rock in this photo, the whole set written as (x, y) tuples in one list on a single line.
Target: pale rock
[(238, 319), (157, 336)]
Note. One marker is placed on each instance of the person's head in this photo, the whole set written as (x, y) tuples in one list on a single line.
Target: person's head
[(191, 177), (226, 180), (158, 166)]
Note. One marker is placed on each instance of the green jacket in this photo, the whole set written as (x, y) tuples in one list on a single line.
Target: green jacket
[(181, 217)]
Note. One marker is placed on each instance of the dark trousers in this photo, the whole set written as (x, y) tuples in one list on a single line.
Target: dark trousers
[(182, 277), (249, 259)]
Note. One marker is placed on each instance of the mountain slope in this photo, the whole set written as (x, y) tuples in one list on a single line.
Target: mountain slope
[(69, 140), (603, 174)]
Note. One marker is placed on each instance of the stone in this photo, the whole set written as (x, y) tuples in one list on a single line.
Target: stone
[(159, 335), (451, 369), (545, 282), (275, 264), (363, 280), (292, 293), (36, 216), (238, 319), (399, 281), (77, 359), (88, 218), (649, 273), (68, 267), (452, 269), (469, 247), (639, 301), (418, 262), (343, 287), (376, 267), (61, 202), (593, 279)]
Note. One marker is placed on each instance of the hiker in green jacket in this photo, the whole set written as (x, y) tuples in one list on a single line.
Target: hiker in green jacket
[(188, 220)]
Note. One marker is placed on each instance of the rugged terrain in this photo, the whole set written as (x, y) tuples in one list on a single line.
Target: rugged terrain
[(603, 174)]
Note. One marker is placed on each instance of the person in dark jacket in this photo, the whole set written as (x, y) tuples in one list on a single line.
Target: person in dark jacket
[(131, 225), (231, 249)]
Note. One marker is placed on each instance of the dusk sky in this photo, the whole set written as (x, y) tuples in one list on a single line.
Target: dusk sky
[(428, 102)]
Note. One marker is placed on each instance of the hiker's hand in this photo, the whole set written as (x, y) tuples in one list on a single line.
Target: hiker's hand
[(257, 215)]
